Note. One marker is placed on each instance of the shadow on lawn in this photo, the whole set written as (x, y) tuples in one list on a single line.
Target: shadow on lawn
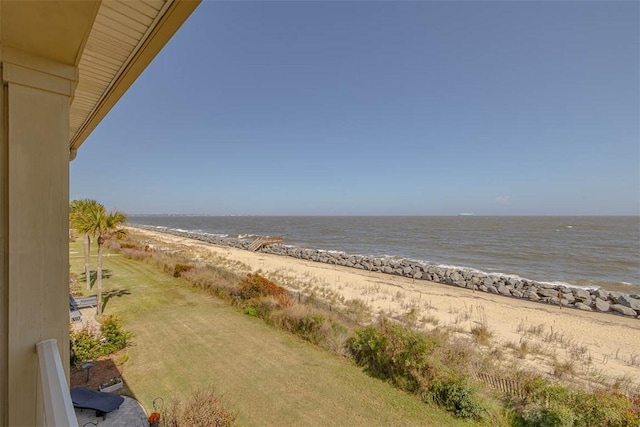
[(106, 296), (93, 275)]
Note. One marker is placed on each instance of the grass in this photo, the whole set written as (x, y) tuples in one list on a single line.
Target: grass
[(185, 339)]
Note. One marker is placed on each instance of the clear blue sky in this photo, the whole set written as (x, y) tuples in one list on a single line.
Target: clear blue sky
[(380, 108)]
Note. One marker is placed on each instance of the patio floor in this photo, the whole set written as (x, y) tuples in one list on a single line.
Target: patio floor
[(130, 414)]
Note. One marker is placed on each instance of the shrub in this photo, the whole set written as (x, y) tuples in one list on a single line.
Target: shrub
[(129, 245), (256, 286), (203, 409), (251, 311), (114, 337), (135, 254), (85, 346), (221, 283), (481, 334), (418, 362), (311, 327), (540, 416), (178, 269), (456, 354), (555, 405), (337, 337), (264, 306), (458, 397), (393, 352), (315, 326)]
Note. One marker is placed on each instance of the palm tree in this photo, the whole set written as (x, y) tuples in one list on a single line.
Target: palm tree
[(78, 215), (102, 226)]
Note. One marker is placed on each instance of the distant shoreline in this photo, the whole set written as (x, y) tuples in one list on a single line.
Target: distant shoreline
[(572, 251)]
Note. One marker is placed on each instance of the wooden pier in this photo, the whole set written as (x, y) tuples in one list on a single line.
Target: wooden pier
[(264, 241)]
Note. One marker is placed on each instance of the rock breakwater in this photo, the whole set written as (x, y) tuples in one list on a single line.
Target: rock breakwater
[(597, 300)]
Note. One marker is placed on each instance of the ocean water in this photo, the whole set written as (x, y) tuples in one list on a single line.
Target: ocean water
[(578, 251)]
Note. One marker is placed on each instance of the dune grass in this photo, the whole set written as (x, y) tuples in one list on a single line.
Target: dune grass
[(186, 339)]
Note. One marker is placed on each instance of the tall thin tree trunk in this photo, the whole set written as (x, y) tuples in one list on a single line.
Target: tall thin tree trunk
[(99, 278), (87, 259)]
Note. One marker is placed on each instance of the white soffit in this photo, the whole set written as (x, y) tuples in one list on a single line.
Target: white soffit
[(126, 36)]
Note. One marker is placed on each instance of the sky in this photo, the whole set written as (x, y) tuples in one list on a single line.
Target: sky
[(379, 108)]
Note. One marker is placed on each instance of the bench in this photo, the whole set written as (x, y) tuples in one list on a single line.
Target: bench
[(86, 302)]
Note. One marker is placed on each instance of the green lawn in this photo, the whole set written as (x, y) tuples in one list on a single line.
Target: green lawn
[(186, 339)]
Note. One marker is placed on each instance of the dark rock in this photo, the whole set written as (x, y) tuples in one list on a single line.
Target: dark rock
[(624, 310), (613, 296), (546, 292), (627, 301)]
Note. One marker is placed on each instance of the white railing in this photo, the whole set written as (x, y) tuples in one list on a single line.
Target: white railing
[(58, 408)]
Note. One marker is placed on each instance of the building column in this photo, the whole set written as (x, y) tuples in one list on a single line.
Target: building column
[(34, 211)]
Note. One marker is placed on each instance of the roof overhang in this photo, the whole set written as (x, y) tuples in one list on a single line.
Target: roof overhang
[(124, 38), (99, 47)]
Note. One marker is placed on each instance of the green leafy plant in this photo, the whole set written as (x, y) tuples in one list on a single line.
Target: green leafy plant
[(114, 337), (552, 404), (458, 397), (86, 346), (251, 311), (418, 362)]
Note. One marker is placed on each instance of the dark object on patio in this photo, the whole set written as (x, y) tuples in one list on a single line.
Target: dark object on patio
[(100, 401), (86, 302), (74, 314)]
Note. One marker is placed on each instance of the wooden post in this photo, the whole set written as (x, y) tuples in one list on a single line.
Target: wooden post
[(560, 298)]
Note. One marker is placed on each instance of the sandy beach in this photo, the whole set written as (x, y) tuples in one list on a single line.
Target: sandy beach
[(527, 334)]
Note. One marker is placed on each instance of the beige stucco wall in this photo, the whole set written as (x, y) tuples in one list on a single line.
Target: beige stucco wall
[(34, 174)]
